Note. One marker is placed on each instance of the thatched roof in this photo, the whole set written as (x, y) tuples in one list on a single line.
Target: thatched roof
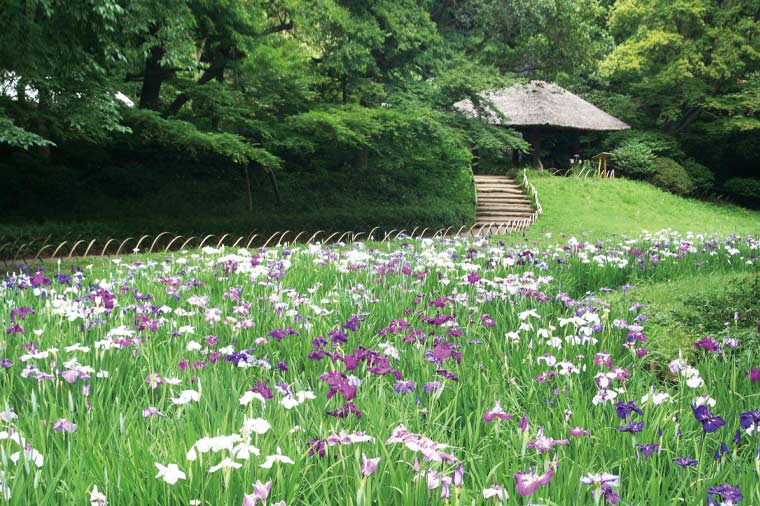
[(542, 104)]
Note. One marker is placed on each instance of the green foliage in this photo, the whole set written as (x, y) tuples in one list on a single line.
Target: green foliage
[(692, 66), (149, 128), (672, 176), (701, 176), (634, 159), (685, 310), (746, 189), (659, 143), (14, 136)]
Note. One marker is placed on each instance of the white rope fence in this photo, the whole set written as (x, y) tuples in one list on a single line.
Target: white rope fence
[(26, 250)]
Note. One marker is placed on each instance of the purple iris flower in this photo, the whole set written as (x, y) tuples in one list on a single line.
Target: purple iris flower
[(648, 449), (15, 329), (447, 374), (632, 427), (543, 443), (624, 409), (404, 387), (457, 477), (347, 409), (260, 493), (263, 389), (685, 461), (337, 336), (710, 422), (603, 484), (317, 447), (152, 411), (708, 344), (353, 323), (579, 432), (431, 386), (723, 494), (723, 450), (369, 466), (6, 363), (527, 483), (754, 373), (496, 413), (63, 425), (20, 313), (750, 418)]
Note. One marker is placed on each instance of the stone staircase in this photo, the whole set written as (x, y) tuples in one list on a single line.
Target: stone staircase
[(501, 202)]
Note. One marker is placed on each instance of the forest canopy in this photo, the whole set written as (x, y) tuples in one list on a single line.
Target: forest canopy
[(300, 102)]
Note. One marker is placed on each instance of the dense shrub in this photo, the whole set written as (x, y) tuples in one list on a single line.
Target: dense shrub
[(671, 176), (661, 144), (634, 159), (744, 189), (702, 177), (347, 168)]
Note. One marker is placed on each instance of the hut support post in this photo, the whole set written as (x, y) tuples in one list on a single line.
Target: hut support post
[(534, 137)]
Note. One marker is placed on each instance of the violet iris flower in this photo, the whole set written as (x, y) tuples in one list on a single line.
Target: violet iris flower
[(496, 413), (63, 425), (603, 484), (624, 409), (708, 344), (260, 493), (632, 427), (749, 419), (527, 483), (545, 444), (579, 432), (685, 461), (648, 449), (369, 466), (723, 450), (152, 411), (728, 495), (404, 387), (710, 422)]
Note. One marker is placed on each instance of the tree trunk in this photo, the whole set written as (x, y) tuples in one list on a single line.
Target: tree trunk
[(151, 88), (361, 158), (275, 187), (249, 193)]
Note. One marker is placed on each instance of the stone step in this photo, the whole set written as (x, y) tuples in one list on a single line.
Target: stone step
[(505, 209), (500, 191), (498, 185), (508, 198), (494, 179), (510, 225), (499, 188), (500, 219), (502, 212)]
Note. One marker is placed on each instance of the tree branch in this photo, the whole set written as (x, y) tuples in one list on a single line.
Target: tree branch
[(215, 71)]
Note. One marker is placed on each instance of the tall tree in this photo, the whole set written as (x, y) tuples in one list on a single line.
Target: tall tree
[(689, 59)]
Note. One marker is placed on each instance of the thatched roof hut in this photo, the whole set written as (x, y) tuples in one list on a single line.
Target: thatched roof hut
[(539, 105)]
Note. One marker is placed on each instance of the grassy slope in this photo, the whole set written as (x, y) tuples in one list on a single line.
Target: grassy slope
[(602, 207), (686, 309)]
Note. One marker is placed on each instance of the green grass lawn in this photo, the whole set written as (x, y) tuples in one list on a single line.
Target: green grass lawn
[(601, 207)]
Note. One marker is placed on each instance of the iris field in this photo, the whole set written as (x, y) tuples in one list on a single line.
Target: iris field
[(420, 371)]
